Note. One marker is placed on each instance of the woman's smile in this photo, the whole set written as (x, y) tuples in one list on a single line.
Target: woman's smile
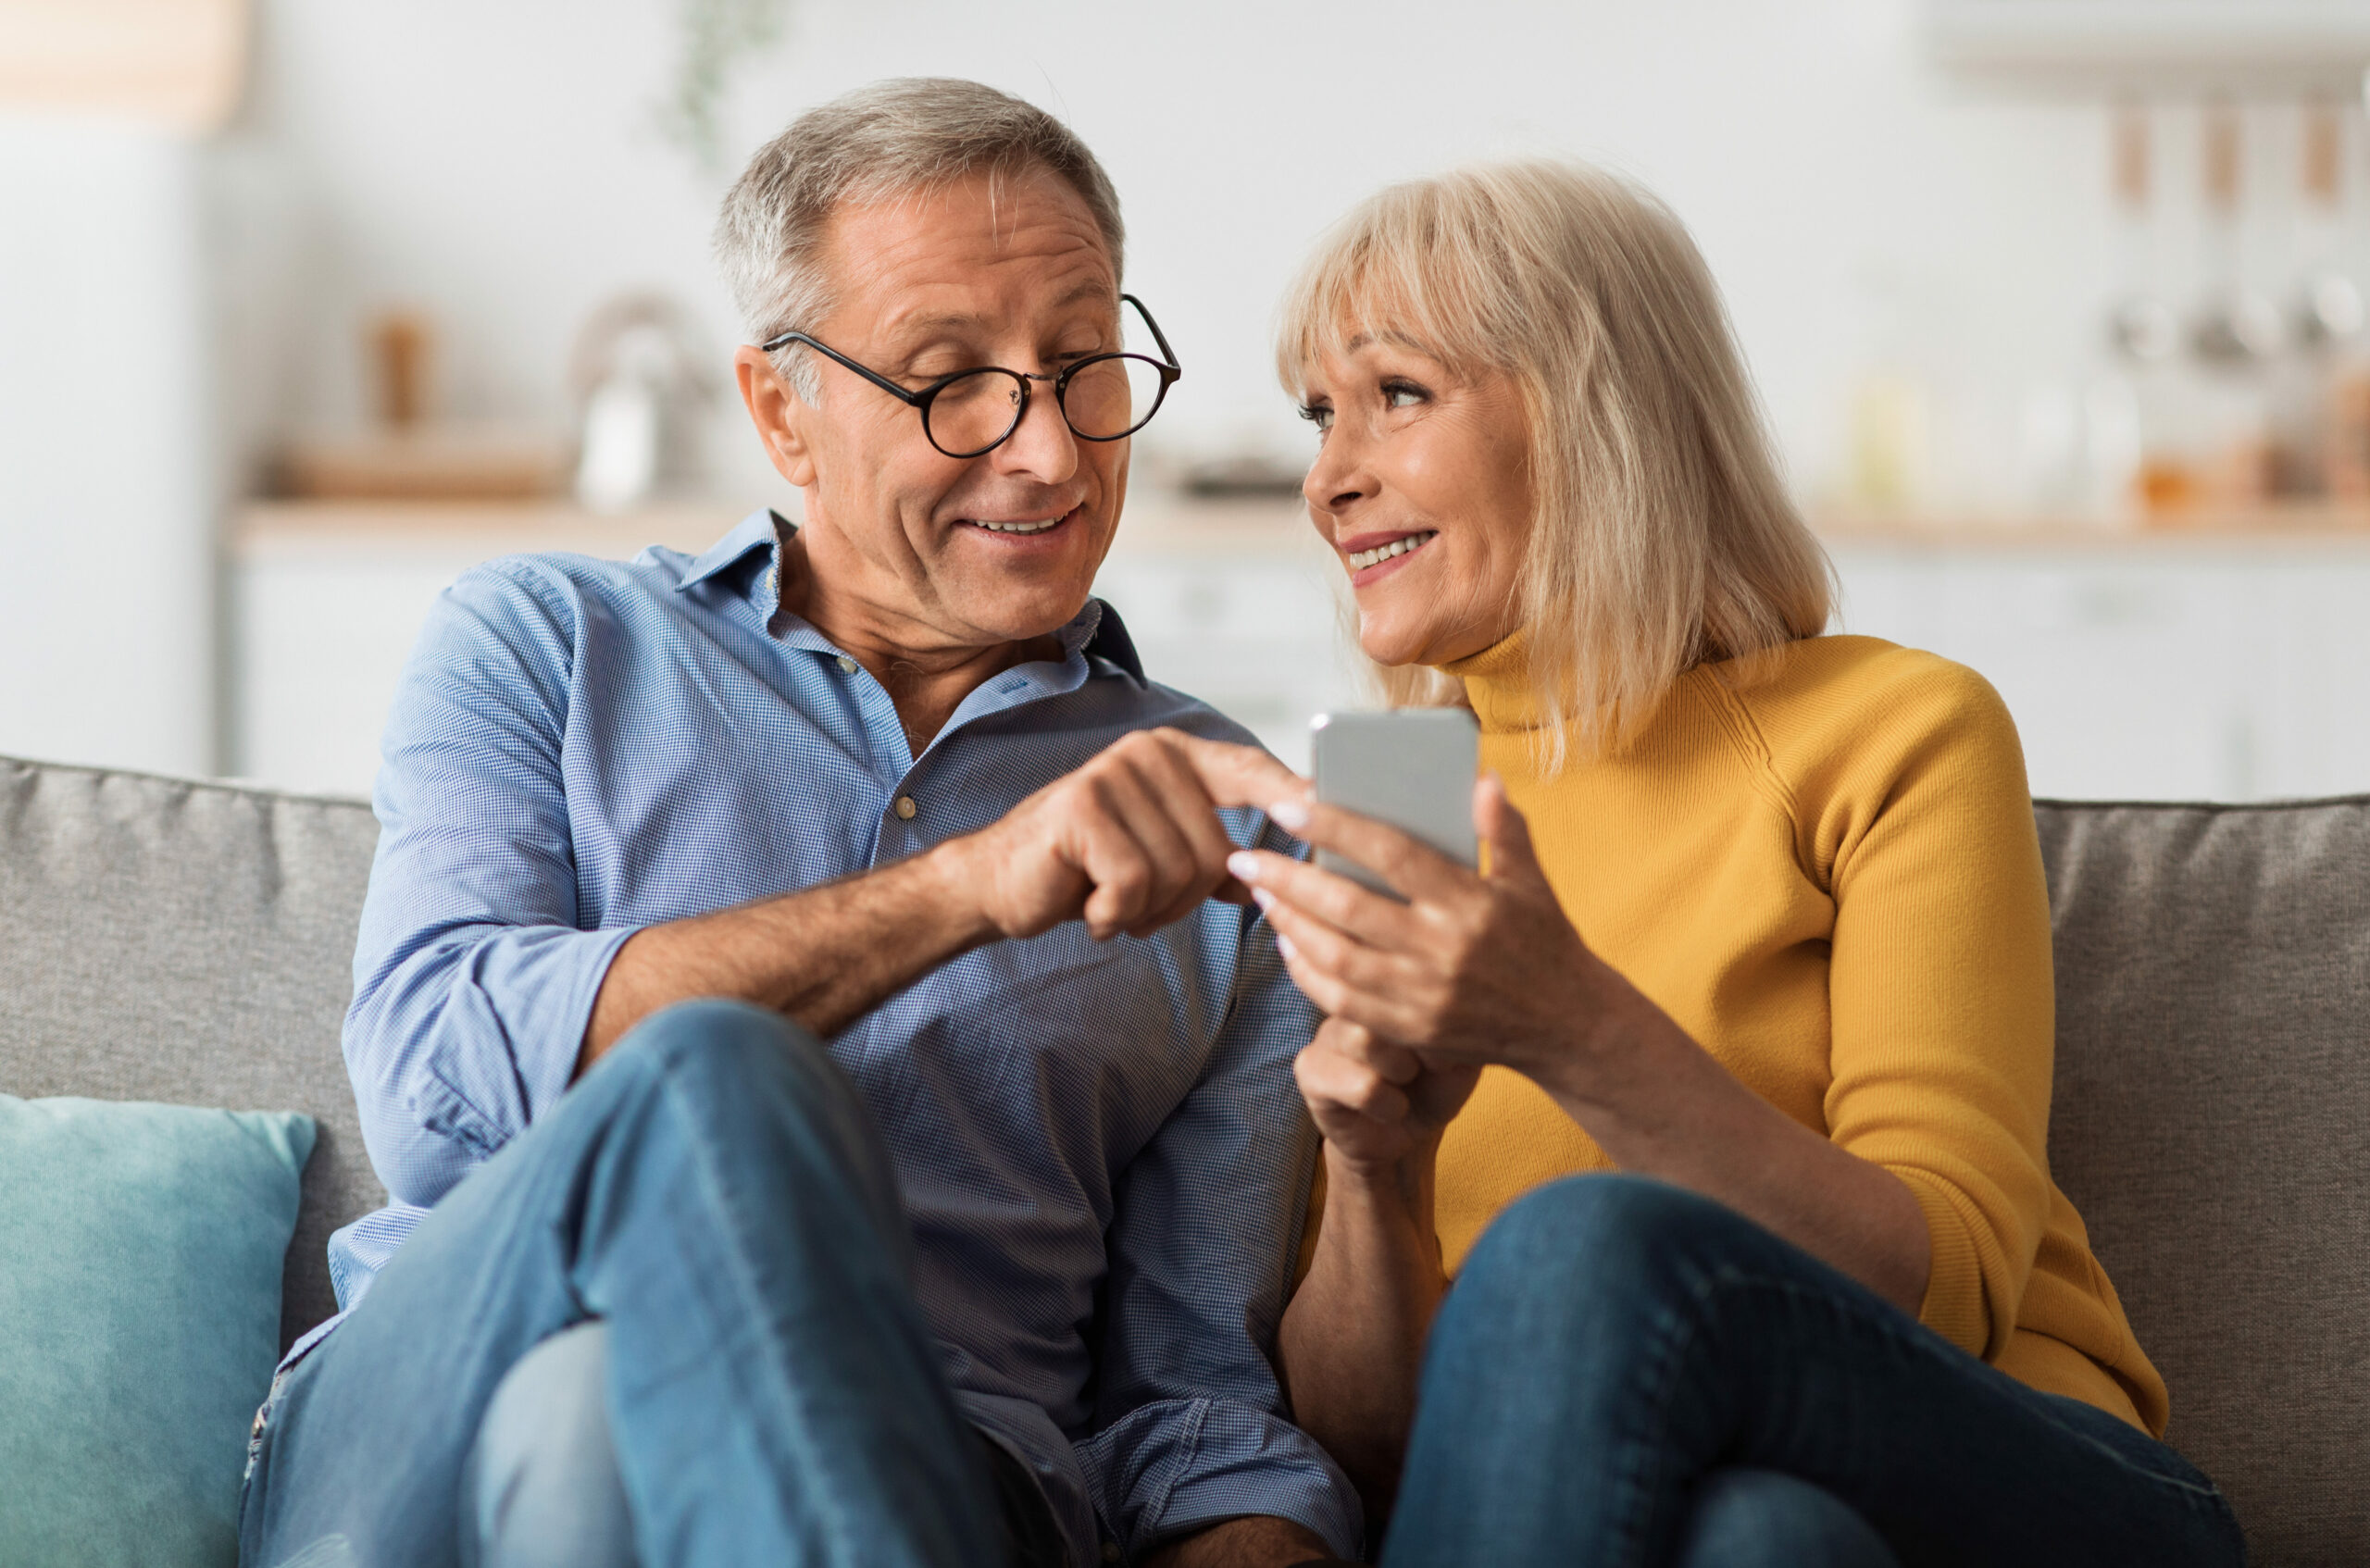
[(1373, 556)]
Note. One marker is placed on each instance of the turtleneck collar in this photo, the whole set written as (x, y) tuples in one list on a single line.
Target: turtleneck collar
[(1498, 685)]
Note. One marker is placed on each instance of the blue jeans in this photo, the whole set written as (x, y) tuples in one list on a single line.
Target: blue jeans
[(1628, 1373), (714, 1194)]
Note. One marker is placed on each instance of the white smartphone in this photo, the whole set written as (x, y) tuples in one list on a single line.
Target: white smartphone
[(1411, 767)]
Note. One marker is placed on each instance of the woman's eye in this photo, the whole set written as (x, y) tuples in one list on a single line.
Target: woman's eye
[(1317, 414), (1402, 394)]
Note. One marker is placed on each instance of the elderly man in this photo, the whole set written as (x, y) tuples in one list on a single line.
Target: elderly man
[(991, 1277)]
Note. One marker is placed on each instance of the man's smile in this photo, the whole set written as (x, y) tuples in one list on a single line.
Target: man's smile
[(1019, 528)]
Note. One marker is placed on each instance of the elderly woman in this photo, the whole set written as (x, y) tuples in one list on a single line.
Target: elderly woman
[(1721, 1092)]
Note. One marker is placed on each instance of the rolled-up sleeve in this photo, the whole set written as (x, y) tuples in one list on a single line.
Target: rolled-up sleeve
[(472, 982), (1188, 1427)]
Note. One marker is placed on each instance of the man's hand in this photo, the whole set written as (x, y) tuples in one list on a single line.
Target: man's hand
[(1376, 1102), (1129, 842)]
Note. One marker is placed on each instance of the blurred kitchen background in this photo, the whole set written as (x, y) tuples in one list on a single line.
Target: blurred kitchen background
[(2057, 304)]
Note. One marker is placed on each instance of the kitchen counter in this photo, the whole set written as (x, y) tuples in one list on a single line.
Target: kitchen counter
[(2227, 658), (1167, 524), (1158, 525)]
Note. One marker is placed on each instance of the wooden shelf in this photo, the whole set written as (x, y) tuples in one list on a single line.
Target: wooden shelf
[(2273, 528), (283, 529), (1158, 524), (1164, 526)]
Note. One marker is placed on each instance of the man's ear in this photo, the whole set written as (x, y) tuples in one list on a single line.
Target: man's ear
[(779, 413)]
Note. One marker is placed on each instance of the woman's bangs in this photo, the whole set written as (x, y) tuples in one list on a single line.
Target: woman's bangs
[(1366, 293)]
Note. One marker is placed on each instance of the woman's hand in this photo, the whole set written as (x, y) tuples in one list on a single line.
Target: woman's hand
[(1376, 1102), (1478, 968)]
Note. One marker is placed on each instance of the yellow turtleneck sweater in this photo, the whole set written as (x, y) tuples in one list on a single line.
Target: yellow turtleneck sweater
[(1826, 872)]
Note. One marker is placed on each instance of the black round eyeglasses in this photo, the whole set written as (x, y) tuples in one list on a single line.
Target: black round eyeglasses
[(970, 413)]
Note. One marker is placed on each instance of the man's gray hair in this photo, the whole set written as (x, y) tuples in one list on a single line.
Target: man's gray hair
[(893, 138)]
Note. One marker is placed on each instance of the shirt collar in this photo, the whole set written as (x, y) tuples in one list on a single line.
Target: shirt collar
[(1095, 630), (755, 531)]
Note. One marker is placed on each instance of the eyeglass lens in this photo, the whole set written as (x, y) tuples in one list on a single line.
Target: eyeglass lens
[(1104, 399)]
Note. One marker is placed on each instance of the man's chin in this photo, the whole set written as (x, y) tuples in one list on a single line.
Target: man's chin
[(1031, 590), (1010, 622)]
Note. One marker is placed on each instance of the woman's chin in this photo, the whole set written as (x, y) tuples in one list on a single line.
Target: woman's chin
[(1394, 647)]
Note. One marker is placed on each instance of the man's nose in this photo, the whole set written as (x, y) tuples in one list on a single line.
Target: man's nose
[(1042, 447)]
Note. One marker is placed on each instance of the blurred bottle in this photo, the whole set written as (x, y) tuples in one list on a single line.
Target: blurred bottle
[(2129, 459), (2345, 457), (1890, 442), (401, 343), (2324, 414), (641, 387), (1888, 429), (2237, 332)]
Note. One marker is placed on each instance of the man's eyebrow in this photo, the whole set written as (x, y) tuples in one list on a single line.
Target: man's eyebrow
[(952, 321), (961, 321), (1092, 288)]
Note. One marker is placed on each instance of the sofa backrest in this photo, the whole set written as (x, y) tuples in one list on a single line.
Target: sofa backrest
[(162, 940), (2211, 1123), (193, 943)]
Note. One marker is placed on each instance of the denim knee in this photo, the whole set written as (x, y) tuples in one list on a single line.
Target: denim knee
[(727, 1052), (541, 1487), (739, 1071), (1597, 1233), (717, 1035), (1744, 1518)]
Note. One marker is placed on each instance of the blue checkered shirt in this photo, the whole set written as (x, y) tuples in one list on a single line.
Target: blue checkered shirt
[(1099, 1145)]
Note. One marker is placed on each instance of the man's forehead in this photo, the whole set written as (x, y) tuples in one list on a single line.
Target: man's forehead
[(973, 255)]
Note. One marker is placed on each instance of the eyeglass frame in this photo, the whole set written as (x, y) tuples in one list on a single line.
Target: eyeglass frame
[(1169, 369)]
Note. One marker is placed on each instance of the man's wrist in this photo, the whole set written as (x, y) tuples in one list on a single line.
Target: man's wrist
[(948, 878), (1402, 1185)]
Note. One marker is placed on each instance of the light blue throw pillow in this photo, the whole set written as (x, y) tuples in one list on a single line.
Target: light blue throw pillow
[(140, 1258)]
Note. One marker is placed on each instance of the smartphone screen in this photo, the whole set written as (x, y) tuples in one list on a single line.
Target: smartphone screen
[(1411, 767)]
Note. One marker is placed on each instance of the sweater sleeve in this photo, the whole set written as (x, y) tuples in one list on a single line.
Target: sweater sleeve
[(1942, 1007)]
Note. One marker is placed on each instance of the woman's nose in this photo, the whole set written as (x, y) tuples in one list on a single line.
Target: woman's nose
[(1332, 480)]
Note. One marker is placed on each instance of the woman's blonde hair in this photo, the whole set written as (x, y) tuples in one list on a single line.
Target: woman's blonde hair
[(1663, 536)]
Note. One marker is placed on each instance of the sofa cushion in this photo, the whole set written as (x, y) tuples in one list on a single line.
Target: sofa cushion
[(139, 1322), (192, 943), (2211, 1123)]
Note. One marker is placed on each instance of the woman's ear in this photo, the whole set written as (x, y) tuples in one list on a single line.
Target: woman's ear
[(780, 413)]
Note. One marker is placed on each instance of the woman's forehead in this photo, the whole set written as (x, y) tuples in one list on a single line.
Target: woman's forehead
[(1350, 340)]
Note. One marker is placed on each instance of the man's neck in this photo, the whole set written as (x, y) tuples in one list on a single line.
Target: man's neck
[(926, 681)]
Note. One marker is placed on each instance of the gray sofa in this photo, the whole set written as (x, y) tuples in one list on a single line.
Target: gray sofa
[(162, 939)]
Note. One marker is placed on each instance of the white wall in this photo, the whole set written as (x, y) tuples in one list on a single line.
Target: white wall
[(499, 164), (109, 474)]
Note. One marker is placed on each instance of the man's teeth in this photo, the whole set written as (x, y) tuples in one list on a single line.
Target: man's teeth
[(1361, 559), (1017, 528)]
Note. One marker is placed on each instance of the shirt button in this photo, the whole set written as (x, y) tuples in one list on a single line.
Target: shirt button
[(1110, 1551), (905, 808), (847, 666)]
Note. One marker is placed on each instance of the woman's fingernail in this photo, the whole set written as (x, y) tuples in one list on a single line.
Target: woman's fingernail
[(1263, 897), (1290, 815), (1284, 946), (1244, 865)]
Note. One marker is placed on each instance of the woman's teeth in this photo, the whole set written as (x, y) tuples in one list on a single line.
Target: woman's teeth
[(1017, 528), (1360, 560)]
